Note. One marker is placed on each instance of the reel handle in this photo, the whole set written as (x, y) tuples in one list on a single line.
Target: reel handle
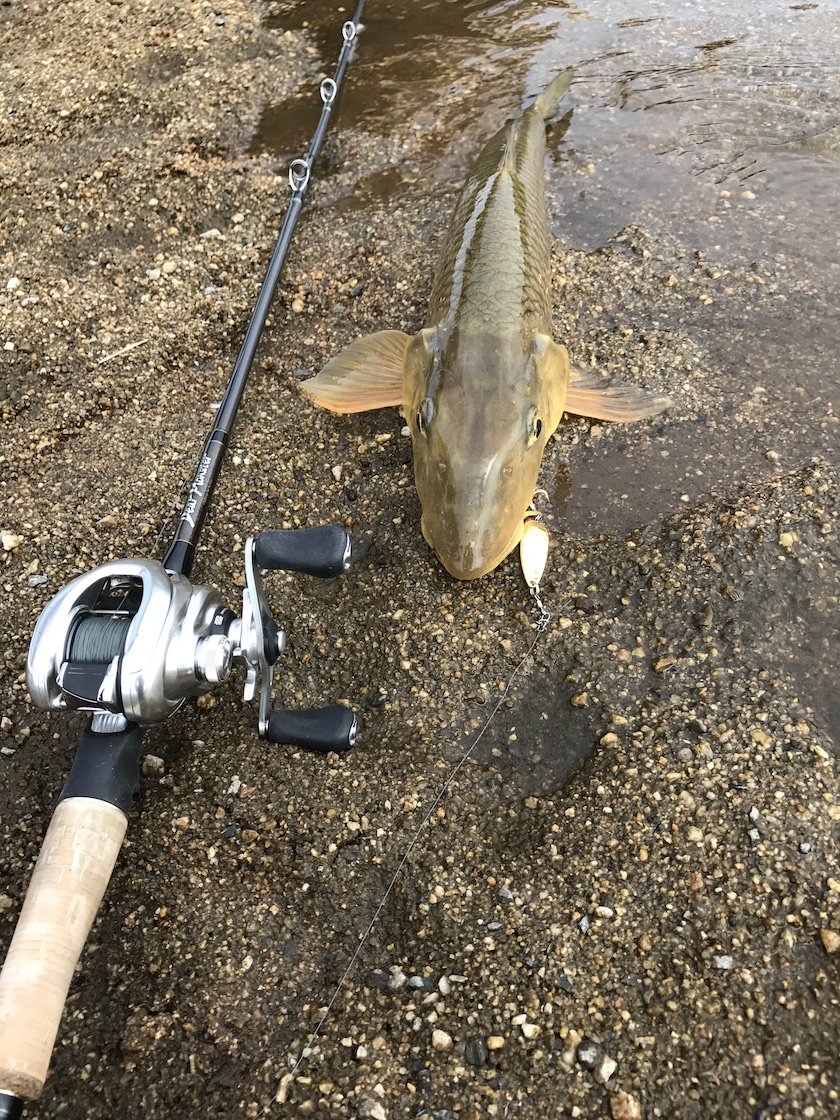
[(316, 729), (323, 550)]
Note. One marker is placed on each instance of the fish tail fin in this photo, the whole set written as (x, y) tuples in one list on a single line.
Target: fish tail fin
[(548, 102)]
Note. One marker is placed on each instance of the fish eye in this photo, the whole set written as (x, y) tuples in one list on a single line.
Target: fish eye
[(535, 425), (424, 416)]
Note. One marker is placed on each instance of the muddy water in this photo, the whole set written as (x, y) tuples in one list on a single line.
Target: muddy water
[(716, 130)]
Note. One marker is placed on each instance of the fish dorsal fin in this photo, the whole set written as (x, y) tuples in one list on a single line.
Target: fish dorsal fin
[(609, 398), (366, 374)]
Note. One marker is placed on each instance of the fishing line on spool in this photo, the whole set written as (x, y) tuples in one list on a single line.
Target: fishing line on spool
[(539, 629), (97, 639)]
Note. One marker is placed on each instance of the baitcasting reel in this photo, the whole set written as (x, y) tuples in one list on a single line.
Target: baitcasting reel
[(131, 642)]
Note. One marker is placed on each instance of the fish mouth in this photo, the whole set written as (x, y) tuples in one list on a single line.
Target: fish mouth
[(468, 573), (469, 563)]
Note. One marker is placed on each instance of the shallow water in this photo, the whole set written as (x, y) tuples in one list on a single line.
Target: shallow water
[(715, 129), (680, 115)]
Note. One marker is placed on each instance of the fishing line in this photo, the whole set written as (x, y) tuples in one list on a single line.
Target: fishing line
[(539, 629)]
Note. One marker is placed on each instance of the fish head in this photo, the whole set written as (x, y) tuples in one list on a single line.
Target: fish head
[(480, 413)]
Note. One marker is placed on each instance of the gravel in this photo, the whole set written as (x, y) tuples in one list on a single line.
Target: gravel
[(590, 873)]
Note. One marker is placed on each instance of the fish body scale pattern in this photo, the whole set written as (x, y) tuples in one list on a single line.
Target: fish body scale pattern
[(494, 270)]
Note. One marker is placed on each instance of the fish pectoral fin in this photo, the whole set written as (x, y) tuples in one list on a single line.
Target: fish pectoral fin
[(366, 374), (609, 398), (551, 362)]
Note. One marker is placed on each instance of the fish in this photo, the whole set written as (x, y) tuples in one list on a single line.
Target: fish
[(483, 385)]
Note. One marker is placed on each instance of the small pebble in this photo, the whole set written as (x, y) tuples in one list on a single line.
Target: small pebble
[(723, 961), (476, 1052), (396, 980), (605, 1069), (830, 940), (153, 766), (441, 1040), (379, 979), (36, 581), (589, 1053), (624, 1106), (495, 1042)]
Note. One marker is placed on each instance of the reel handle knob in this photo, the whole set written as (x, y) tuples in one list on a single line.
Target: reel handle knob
[(316, 729), (323, 550)]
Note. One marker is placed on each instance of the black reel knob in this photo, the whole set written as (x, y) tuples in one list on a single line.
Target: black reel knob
[(323, 550), (315, 729)]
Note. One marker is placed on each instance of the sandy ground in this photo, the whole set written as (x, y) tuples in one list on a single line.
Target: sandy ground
[(658, 936)]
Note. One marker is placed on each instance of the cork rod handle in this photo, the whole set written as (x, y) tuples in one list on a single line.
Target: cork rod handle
[(69, 880)]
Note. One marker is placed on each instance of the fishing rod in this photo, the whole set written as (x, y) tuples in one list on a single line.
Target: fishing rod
[(130, 642)]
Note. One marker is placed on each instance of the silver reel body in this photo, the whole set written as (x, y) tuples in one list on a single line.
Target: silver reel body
[(175, 644), (131, 642)]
